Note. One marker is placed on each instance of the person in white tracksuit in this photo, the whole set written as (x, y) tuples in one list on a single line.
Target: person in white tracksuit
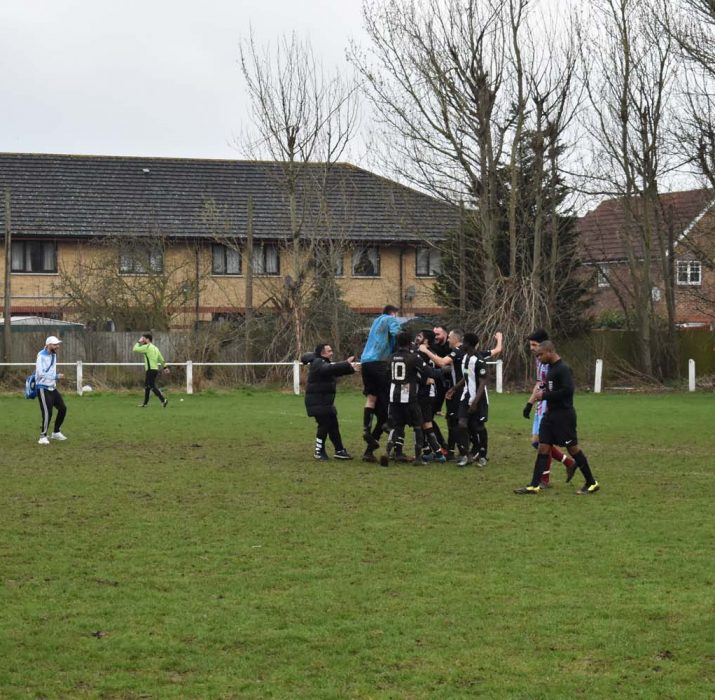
[(49, 396)]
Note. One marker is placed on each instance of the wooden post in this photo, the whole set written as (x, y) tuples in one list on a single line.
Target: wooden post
[(248, 301), (7, 301)]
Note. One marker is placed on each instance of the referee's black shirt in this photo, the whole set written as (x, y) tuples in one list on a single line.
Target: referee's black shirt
[(559, 386)]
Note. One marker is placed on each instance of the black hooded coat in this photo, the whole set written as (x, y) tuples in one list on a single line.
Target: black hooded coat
[(320, 390)]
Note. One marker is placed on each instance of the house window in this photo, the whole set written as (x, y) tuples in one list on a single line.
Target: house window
[(428, 262), (34, 256), (225, 260), (329, 260), (140, 260), (602, 276), (366, 262), (266, 260), (689, 272)]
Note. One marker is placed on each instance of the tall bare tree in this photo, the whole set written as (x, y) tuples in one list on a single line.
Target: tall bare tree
[(304, 120), (628, 75), (691, 23), (458, 88), (130, 283)]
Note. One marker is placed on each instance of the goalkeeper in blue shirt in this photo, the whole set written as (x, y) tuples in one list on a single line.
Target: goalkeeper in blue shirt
[(375, 368)]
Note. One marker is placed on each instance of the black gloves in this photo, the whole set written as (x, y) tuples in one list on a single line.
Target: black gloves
[(527, 410)]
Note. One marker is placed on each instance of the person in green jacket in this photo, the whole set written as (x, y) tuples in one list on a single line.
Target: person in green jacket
[(154, 360)]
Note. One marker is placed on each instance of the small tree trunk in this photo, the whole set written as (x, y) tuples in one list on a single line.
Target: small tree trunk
[(248, 302), (7, 302)]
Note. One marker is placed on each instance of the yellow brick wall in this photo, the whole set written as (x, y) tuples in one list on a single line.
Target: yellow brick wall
[(39, 293)]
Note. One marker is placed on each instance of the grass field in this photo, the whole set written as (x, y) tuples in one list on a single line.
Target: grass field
[(200, 552)]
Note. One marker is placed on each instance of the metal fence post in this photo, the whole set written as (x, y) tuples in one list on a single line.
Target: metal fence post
[(691, 375), (599, 377), (79, 377), (500, 377), (189, 377), (296, 377)]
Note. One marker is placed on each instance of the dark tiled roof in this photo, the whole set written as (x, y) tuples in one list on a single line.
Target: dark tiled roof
[(602, 232), (85, 196)]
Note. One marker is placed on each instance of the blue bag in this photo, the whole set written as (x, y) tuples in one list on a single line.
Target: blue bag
[(30, 387)]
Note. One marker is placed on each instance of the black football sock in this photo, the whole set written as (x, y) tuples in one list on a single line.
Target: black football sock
[(438, 434), (582, 464), (433, 441), (483, 442), (463, 441), (367, 414), (419, 442), (539, 467)]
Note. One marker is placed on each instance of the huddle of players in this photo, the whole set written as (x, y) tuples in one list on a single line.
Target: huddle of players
[(424, 374), (405, 383)]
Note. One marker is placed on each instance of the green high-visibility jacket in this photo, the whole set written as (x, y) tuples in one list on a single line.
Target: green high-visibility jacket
[(152, 355)]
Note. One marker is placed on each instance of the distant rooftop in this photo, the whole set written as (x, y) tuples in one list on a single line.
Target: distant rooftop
[(603, 235), (81, 196)]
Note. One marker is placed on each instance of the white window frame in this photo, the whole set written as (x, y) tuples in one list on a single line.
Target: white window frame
[(689, 273), (433, 261), (602, 280), (21, 257), (221, 254), (372, 253), (265, 256), (132, 258)]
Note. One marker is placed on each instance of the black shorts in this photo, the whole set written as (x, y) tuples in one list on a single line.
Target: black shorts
[(375, 378), (439, 399), (478, 417), (453, 407), (426, 408), (559, 428), (405, 414)]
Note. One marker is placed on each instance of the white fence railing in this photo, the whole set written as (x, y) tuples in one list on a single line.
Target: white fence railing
[(190, 364)]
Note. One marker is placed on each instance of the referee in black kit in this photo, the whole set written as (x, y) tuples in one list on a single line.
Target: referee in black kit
[(558, 426)]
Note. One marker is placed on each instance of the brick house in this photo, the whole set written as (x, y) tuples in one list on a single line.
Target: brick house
[(67, 206), (688, 218)]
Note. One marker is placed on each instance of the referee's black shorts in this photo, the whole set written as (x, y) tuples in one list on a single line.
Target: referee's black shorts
[(559, 428)]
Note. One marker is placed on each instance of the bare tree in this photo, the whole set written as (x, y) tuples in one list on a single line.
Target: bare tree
[(462, 90), (131, 284), (628, 73), (303, 120), (691, 23)]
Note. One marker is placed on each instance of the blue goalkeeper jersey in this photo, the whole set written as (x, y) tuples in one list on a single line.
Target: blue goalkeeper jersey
[(380, 342)]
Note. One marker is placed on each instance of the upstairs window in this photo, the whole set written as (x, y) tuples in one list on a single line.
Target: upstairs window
[(689, 273), (602, 276), (428, 262), (34, 256), (140, 259), (225, 260), (329, 260), (339, 265), (266, 259), (366, 262)]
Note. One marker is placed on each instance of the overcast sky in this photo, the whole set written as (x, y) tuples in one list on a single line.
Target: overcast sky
[(144, 77)]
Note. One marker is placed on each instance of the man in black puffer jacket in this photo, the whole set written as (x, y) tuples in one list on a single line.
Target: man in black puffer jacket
[(320, 397)]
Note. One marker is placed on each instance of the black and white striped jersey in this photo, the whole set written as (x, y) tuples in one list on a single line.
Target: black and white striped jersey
[(474, 369), (407, 369)]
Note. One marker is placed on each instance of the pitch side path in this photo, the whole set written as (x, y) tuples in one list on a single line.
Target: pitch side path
[(199, 551)]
